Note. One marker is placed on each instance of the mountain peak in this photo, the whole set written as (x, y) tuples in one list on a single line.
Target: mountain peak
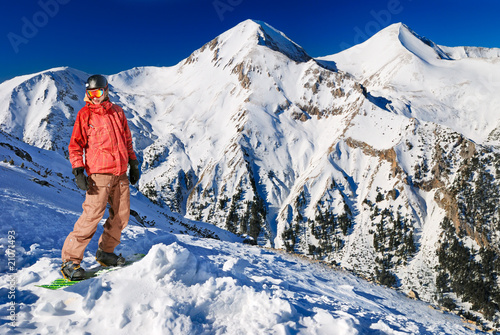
[(278, 41), (249, 34), (399, 35), (406, 34), (396, 41)]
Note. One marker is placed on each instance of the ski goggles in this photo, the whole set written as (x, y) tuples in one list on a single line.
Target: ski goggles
[(97, 93)]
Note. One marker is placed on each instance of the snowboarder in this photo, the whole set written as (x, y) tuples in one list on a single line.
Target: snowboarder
[(101, 146)]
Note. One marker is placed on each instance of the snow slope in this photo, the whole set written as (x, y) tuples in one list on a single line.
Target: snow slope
[(185, 285)]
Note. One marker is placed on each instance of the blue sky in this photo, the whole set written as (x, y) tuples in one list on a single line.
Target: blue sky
[(115, 35)]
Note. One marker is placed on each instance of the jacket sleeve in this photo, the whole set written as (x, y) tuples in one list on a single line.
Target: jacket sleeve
[(128, 138), (78, 140)]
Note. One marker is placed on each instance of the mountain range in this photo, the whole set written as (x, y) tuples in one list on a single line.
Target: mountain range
[(382, 159)]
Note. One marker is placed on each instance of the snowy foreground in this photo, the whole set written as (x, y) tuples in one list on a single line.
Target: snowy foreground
[(193, 286), (185, 284)]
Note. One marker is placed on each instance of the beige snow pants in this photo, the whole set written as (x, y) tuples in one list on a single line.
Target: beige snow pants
[(103, 189)]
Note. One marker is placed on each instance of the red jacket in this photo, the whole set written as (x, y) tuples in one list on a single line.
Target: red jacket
[(101, 140)]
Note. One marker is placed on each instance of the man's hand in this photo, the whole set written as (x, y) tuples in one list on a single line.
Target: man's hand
[(134, 171), (81, 179)]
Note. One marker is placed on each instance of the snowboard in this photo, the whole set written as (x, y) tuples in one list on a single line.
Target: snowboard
[(90, 273)]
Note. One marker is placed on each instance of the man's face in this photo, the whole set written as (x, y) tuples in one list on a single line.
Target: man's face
[(97, 101)]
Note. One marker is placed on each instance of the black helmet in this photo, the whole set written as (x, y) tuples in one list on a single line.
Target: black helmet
[(96, 81)]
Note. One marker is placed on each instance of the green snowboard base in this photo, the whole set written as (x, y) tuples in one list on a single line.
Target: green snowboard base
[(91, 273)]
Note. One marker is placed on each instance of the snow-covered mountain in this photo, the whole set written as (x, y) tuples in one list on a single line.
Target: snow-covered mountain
[(454, 87), (185, 284), (381, 159)]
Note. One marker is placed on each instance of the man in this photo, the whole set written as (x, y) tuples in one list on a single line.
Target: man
[(101, 146)]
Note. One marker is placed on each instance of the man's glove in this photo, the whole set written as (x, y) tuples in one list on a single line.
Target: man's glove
[(134, 171), (81, 179)]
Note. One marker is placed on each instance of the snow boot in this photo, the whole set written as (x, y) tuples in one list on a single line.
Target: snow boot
[(72, 271), (108, 258)]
